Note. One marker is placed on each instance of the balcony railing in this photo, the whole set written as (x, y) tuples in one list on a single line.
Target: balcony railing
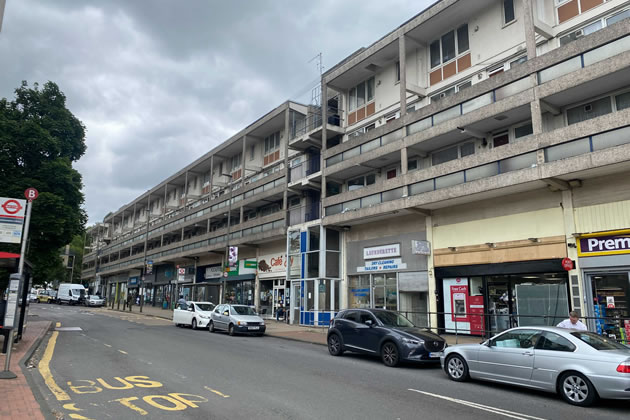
[(305, 168), (304, 214), (314, 120)]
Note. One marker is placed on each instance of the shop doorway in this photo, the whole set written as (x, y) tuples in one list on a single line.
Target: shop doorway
[(385, 291), (295, 302)]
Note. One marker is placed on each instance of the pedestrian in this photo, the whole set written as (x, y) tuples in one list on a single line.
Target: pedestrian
[(573, 322), (181, 300), (278, 310)]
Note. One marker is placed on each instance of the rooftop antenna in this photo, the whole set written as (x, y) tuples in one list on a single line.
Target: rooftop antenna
[(316, 91)]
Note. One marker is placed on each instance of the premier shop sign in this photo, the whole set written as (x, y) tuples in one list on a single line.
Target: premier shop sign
[(604, 243), (382, 265)]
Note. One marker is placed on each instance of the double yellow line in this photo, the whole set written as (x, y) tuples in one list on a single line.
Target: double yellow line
[(44, 368)]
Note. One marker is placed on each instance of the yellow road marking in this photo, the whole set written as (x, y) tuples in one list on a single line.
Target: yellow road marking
[(107, 345), (44, 369), (78, 416), (71, 407), (123, 352), (127, 403), (217, 392), (58, 324)]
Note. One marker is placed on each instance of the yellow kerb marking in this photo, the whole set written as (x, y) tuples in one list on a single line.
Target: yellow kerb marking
[(123, 352), (44, 369), (217, 392), (58, 324), (78, 416), (71, 407)]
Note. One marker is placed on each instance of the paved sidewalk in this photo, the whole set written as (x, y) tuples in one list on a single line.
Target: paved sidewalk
[(18, 399), (314, 335)]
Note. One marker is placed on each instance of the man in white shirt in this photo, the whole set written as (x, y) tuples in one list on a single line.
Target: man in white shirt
[(573, 322)]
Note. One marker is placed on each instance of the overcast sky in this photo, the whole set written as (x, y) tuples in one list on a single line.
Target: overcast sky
[(159, 83)]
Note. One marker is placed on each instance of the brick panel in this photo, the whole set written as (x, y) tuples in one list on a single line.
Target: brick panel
[(370, 109), (449, 70), (463, 63), (352, 118), (567, 11), (435, 76), (360, 114), (589, 4)]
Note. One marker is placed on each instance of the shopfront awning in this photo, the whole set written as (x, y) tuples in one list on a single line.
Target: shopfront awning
[(522, 267)]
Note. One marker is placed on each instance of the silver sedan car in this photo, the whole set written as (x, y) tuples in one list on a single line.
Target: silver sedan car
[(579, 365)]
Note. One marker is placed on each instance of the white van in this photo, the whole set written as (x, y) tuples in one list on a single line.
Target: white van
[(72, 294)]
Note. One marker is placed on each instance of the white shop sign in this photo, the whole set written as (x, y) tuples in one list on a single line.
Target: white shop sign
[(213, 272), (383, 251), (382, 265)]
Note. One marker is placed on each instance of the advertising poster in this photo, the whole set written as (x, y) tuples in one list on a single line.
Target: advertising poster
[(455, 305)]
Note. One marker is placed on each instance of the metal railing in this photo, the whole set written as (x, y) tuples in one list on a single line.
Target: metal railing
[(487, 325), (314, 120), (303, 214), (307, 167)]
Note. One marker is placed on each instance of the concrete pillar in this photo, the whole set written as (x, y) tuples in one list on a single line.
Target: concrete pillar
[(322, 162), (433, 306), (186, 190), (402, 57), (211, 175), (287, 132), (403, 161), (537, 124), (530, 33), (165, 198), (576, 285), (243, 160)]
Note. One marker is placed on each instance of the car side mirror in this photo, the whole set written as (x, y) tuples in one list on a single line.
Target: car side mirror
[(369, 323), (226, 313), (190, 309)]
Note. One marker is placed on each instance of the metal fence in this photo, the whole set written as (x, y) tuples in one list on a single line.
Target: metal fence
[(486, 325)]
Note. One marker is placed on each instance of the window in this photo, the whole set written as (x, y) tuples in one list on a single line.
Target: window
[(252, 151), (294, 201), (412, 165), (554, 342), (332, 188), (451, 91), (452, 153), (361, 94), (391, 173), (500, 139), (360, 182), (235, 162), (449, 45), (352, 316), (508, 11), (523, 130), (519, 339), (598, 342), (272, 143), (398, 71), (622, 101), (594, 26), (589, 110)]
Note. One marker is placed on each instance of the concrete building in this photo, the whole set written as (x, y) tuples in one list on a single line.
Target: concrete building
[(467, 158)]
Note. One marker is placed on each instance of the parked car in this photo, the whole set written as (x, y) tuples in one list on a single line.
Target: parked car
[(237, 319), (579, 365), (32, 298), (195, 314), (72, 294), (387, 334), (45, 296), (95, 300)]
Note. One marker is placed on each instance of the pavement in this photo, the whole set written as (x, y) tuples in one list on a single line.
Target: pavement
[(18, 400)]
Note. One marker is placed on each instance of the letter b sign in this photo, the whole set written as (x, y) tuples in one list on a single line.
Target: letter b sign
[(31, 194)]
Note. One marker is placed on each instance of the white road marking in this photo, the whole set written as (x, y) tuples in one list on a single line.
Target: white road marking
[(68, 329), (123, 352), (495, 410)]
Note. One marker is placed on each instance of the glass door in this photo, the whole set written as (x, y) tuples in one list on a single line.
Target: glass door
[(295, 303)]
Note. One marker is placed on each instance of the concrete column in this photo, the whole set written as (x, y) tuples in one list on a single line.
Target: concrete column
[(186, 190), (530, 33), (537, 124), (133, 221), (211, 174), (433, 306), (576, 285), (403, 161), (322, 162), (402, 57), (243, 160), (165, 198), (286, 161)]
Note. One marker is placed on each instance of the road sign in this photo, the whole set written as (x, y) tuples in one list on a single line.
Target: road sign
[(567, 264), (11, 219), (181, 271), (31, 194)]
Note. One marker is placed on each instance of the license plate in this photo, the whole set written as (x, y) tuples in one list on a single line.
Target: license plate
[(253, 328), (436, 354)]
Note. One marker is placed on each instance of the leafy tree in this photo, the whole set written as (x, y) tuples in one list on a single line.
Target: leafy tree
[(39, 140)]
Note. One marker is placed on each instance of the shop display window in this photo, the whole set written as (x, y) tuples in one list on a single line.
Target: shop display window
[(610, 305)]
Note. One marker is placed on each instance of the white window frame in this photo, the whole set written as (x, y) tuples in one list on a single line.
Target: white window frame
[(364, 176), (457, 53), (235, 162), (503, 13), (458, 88), (602, 19), (610, 95), (272, 143), (353, 104)]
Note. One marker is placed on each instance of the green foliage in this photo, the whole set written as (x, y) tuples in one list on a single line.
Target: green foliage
[(39, 140)]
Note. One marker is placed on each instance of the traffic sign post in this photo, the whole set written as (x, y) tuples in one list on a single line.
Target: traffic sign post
[(11, 208)]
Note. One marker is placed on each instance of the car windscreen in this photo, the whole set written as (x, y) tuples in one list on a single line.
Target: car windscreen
[(392, 319), (205, 306), (598, 342), (244, 310), (77, 292)]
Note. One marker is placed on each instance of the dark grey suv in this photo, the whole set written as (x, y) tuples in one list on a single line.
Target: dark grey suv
[(387, 334)]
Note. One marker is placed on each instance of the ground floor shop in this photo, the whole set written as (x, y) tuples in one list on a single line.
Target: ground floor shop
[(604, 259), (490, 298)]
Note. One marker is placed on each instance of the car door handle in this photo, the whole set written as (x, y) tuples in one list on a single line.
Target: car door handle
[(527, 353)]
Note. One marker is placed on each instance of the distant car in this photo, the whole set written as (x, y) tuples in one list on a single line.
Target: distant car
[(383, 333), (195, 314), (94, 300), (45, 296), (579, 365), (32, 298), (237, 319)]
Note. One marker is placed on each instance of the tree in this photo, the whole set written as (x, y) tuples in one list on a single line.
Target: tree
[(39, 140)]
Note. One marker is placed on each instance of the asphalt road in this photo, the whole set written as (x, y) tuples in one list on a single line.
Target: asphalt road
[(120, 366)]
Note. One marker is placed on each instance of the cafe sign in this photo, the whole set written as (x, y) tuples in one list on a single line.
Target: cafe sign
[(604, 243)]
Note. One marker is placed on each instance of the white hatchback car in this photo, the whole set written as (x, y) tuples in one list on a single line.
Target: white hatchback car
[(237, 319), (195, 314)]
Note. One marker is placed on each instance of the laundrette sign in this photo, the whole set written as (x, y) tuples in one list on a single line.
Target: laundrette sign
[(604, 243), (383, 251), (382, 265)]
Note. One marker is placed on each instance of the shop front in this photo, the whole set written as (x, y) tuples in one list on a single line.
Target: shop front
[(240, 283), (133, 285), (272, 271), (604, 258), (163, 287), (390, 273), (489, 298), (208, 283)]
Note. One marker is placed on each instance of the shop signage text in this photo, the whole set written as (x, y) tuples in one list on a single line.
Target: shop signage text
[(382, 265), (272, 265), (383, 251), (213, 272), (609, 243)]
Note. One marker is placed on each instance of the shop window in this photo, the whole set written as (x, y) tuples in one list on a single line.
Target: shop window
[(294, 241), (359, 291), (508, 11)]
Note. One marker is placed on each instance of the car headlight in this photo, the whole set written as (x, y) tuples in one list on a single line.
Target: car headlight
[(262, 322), (241, 323), (410, 341), (203, 316)]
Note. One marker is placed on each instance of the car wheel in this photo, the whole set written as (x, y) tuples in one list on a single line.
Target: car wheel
[(456, 368), (334, 345), (576, 389), (194, 324), (389, 354), (211, 327), (231, 329)]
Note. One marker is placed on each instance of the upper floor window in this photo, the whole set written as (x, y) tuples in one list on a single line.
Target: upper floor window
[(451, 91), (397, 71), (360, 182), (452, 153), (235, 162), (449, 46), (508, 11), (272, 142), (594, 26), (361, 94)]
